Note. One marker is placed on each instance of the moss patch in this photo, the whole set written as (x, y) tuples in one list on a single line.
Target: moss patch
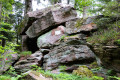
[(83, 71)]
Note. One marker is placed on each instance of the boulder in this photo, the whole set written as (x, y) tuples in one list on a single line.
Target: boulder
[(68, 54), (51, 36), (72, 26), (24, 65), (108, 56), (7, 60), (50, 19)]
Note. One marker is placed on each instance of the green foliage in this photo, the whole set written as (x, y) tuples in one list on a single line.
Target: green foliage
[(5, 31), (104, 37), (62, 68), (26, 53), (97, 78), (6, 8), (83, 71), (81, 4), (10, 75), (118, 41), (79, 23), (62, 38), (61, 76)]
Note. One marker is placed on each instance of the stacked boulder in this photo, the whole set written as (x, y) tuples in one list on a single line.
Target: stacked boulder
[(53, 33)]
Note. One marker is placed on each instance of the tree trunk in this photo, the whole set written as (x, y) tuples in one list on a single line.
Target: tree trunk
[(85, 12), (28, 6), (0, 11), (59, 1), (3, 42), (68, 1)]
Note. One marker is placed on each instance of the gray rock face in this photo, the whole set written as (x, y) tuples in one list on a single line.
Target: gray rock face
[(8, 59), (71, 27), (24, 65), (51, 36), (108, 56), (50, 19), (68, 54)]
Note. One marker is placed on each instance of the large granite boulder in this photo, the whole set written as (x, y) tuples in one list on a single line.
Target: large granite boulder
[(26, 64), (31, 17), (108, 56), (51, 36), (50, 19), (7, 60), (68, 53)]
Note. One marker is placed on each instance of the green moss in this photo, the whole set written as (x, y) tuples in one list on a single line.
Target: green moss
[(25, 53), (93, 65), (83, 71), (79, 23)]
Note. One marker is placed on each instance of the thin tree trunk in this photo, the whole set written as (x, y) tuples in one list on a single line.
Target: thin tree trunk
[(28, 6), (59, 1), (0, 11), (85, 12), (3, 42), (68, 1)]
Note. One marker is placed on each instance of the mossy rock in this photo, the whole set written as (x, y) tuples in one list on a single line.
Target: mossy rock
[(93, 65), (83, 71), (79, 22)]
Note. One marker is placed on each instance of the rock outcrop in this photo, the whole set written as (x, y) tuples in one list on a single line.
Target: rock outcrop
[(54, 33), (68, 53), (7, 60), (108, 56), (26, 64)]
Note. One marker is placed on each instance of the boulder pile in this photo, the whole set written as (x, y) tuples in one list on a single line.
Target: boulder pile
[(53, 37)]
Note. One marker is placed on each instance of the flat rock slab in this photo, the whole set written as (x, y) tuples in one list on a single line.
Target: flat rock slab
[(50, 19), (72, 26), (32, 75)]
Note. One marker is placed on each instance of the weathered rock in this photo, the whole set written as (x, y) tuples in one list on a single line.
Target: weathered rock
[(108, 56), (26, 64), (50, 19), (33, 75), (51, 37), (9, 57), (68, 54), (90, 20), (70, 69), (71, 27), (44, 51)]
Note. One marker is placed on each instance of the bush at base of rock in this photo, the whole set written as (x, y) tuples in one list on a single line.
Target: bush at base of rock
[(83, 71)]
